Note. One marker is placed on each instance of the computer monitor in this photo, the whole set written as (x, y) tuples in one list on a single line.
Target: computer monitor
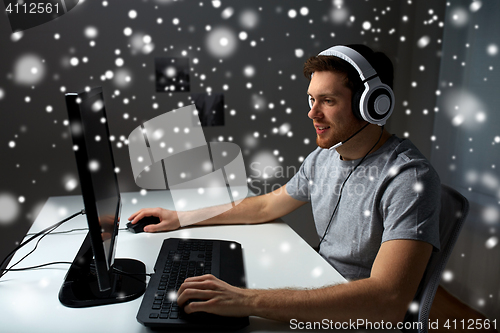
[(95, 276)]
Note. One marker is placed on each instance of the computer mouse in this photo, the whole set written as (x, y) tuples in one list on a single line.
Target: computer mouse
[(139, 226)]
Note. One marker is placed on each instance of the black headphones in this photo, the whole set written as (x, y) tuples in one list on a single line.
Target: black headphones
[(375, 102)]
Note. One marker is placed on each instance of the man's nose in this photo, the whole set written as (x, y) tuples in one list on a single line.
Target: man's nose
[(314, 112)]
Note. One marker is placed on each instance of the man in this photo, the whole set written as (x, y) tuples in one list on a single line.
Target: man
[(375, 201)]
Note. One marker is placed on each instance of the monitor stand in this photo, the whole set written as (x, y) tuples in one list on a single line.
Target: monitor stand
[(81, 289)]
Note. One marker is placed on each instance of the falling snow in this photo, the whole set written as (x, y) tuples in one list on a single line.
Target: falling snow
[(9, 208), (253, 56), (491, 242)]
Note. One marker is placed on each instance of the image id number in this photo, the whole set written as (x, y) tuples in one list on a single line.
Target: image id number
[(33, 8), (470, 324)]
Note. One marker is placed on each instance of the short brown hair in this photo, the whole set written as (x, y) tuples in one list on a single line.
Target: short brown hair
[(336, 65), (378, 60)]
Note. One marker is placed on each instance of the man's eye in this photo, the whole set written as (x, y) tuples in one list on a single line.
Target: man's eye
[(328, 101)]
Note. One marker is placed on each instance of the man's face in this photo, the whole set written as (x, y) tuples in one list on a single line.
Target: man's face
[(331, 111)]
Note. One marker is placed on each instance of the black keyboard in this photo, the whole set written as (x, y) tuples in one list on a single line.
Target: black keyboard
[(178, 267), (182, 258)]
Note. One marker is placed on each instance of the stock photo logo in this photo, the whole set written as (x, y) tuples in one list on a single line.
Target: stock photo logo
[(24, 15), (169, 152)]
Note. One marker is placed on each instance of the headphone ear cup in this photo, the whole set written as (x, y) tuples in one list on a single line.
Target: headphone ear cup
[(379, 105), (377, 101), (356, 99)]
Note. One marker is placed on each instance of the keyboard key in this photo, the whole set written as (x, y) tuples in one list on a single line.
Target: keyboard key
[(183, 259)]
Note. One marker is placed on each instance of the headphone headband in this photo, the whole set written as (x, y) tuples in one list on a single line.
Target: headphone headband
[(353, 57)]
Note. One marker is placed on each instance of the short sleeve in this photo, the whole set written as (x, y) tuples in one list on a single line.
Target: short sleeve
[(410, 204), (298, 186)]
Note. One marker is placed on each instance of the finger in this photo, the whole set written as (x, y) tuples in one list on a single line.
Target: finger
[(135, 215), (187, 283), (200, 278), (138, 217), (155, 227), (198, 294), (203, 282), (198, 307), (198, 282), (140, 214)]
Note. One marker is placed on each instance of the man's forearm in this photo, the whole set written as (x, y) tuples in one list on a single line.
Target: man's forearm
[(385, 295), (249, 210), (258, 209), (363, 299)]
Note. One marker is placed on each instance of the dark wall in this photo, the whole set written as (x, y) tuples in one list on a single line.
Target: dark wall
[(35, 147), (264, 69), (36, 150)]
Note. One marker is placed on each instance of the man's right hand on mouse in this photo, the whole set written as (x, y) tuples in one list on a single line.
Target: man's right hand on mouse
[(168, 219)]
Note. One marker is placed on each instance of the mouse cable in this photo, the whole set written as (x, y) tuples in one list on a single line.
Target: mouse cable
[(61, 232), (115, 270), (69, 231), (38, 266), (42, 233)]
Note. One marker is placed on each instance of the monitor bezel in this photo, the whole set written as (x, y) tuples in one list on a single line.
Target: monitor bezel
[(103, 264), (94, 279)]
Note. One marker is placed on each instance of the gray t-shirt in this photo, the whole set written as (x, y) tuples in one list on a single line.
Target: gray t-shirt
[(393, 194)]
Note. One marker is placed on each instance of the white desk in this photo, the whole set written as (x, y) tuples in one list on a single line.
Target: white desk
[(275, 256)]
